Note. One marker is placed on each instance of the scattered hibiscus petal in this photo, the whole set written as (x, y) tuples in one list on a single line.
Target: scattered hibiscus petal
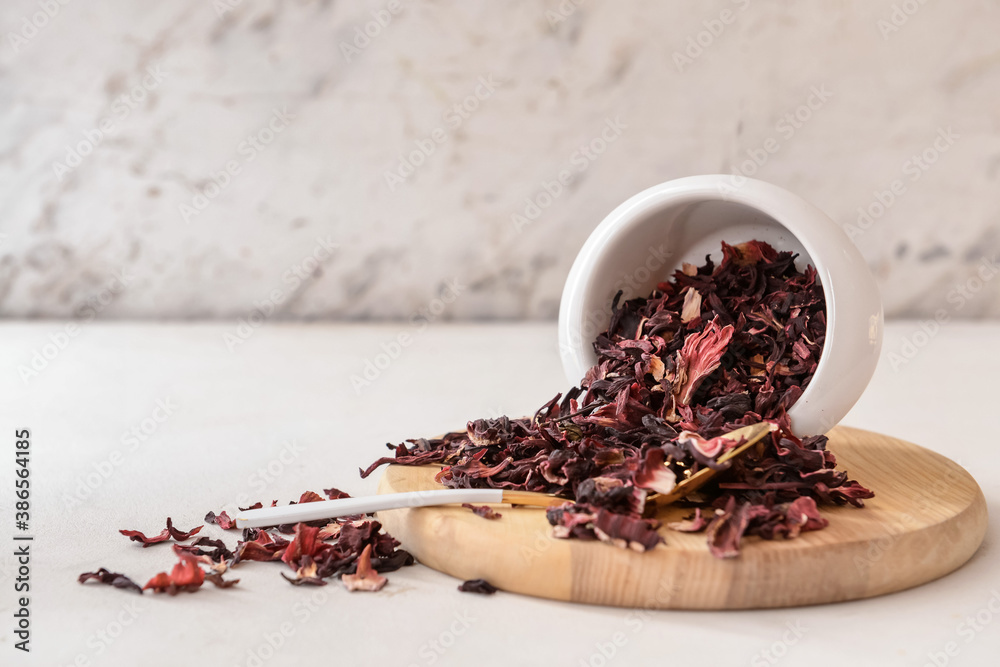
[(484, 511), (216, 578), (111, 579), (260, 546), (329, 531), (165, 534), (222, 520), (307, 573), (335, 494), (137, 536), (480, 586), (365, 578), (305, 543), (186, 576)]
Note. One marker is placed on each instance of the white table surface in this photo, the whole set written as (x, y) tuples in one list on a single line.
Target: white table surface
[(233, 410)]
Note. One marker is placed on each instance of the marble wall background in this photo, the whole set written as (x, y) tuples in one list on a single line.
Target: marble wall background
[(101, 209)]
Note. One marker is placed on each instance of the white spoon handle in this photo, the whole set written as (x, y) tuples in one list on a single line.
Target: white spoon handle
[(329, 509)]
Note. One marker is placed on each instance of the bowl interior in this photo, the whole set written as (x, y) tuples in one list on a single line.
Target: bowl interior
[(652, 245)]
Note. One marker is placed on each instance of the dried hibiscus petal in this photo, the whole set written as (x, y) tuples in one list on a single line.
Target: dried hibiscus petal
[(222, 520), (589, 522), (708, 448), (260, 546), (726, 530), (305, 543), (219, 549), (480, 586), (654, 475), (186, 576), (365, 578), (307, 573), (625, 531), (217, 579), (165, 534), (111, 579), (484, 511), (693, 524), (329, 531), (700, 356)]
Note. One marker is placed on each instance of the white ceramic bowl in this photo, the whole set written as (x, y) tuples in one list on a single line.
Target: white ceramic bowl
[(643, 241)]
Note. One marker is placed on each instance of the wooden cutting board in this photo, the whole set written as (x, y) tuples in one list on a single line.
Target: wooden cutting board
[(927, 518)]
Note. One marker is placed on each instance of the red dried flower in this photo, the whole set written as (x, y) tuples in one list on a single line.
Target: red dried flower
[(110, 579), (165, 534), (365, 578), (484, 511)]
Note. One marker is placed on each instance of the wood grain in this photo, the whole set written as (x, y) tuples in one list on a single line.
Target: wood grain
[(928, 517)]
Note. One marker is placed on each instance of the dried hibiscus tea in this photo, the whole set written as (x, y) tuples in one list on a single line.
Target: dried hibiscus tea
[(354, 548), (714, 348)]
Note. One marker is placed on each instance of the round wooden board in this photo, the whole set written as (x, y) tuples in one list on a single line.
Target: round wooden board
[(927, 518)]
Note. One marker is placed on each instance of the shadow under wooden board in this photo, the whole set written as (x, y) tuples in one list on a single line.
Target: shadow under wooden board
[(927, 518)]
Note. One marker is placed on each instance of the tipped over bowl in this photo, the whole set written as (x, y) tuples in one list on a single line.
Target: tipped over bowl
[(645, 239)]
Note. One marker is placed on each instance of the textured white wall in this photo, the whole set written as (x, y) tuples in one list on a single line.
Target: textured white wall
[(338, 114)]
